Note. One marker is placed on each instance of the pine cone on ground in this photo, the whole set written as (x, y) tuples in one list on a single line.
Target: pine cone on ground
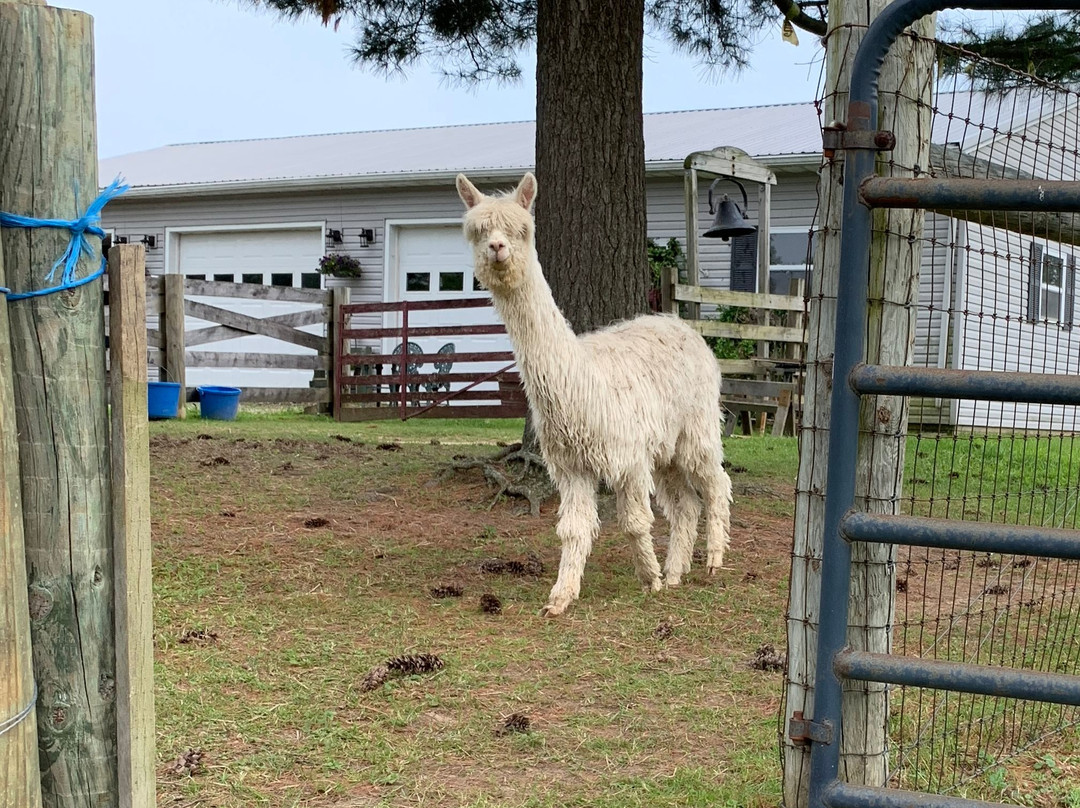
[(490, 604), (517, 722), (375, 678), (447, 591), (415, 663)]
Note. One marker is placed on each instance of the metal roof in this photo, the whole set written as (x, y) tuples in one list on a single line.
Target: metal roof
[(391, 156), (777, 134)]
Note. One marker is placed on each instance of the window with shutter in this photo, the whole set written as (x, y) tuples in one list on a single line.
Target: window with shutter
[(791, 257), (1070, 292), (744, 263), (1034, 284)]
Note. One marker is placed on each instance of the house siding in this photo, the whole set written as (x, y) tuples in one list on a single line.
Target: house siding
[(997, 335), (794, 204)]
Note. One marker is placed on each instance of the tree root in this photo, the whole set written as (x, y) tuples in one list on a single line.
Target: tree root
[(531, 484)]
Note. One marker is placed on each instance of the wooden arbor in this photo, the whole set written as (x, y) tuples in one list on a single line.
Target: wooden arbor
[(770, 380)]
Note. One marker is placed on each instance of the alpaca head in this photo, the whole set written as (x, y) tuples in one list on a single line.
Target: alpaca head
[(500, 230)]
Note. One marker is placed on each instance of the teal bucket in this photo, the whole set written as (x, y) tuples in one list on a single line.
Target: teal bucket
[(162, 400), (219, 403)]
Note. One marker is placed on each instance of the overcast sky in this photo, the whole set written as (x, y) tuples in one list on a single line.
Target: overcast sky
[(179, 71)]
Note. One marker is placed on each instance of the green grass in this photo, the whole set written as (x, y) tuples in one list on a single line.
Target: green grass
[(290, 422), (620, 716)]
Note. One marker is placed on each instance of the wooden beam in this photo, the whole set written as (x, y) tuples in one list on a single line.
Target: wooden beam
[(750, 300), (173, 333), (254, 325), (49, 170), (729, 161), (752, 331), (217, 333), (285, 395), (255, 291), (690, 189), (131, 527), (232, 359)]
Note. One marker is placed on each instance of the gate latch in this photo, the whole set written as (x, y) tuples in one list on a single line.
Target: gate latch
[(836, 137), (803, 731)]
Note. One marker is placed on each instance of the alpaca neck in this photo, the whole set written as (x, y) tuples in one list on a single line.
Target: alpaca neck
[(544, 344)]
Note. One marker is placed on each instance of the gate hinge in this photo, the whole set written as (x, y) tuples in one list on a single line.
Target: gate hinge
[(836, 137), (805, 730)]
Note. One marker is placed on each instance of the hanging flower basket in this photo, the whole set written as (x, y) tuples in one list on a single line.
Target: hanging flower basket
[(340, 266)]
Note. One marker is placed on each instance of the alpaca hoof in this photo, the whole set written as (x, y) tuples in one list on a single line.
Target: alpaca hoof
[(672, 581), (715, 562), (555, 607), (655, 585)]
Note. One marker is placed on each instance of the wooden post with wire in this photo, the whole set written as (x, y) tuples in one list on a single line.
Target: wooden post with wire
[(20, 781), (48, 170), (131, 526)]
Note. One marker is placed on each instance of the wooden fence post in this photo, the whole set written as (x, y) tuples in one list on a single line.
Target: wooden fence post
[(131, 526), (48, 169), (339, 298), (172, 334), (20, 781)]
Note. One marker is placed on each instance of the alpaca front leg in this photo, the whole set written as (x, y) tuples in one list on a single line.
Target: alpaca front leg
[(577, 528)]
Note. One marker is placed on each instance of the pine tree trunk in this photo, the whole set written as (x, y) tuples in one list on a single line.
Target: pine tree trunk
[(590, 159), (894, 281)]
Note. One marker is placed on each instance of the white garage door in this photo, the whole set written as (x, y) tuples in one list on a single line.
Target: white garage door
[(435, 263), (278, 257)]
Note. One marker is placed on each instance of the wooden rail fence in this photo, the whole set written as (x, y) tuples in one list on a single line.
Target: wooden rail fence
[(362, 391), (169, 301), (770, 382)]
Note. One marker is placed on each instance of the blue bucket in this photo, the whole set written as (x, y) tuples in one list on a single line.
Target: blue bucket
[(219, 403), (162, 400)]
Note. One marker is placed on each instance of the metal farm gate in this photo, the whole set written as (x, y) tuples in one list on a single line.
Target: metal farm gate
[(837, 663)]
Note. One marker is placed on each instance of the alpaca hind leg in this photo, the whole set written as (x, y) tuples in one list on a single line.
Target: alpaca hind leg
[(682, 508), (635, 519), (715, 485), (577, 529)]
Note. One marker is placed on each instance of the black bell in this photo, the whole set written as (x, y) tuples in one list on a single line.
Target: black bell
[(730, 220)]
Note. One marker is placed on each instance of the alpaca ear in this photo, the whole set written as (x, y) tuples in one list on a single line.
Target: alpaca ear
[(468, 192), (525, 193)]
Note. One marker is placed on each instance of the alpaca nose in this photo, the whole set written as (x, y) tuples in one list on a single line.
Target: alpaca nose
[(498, 249)]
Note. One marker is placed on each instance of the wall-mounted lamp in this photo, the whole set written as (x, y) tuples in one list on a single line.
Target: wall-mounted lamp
[(367, 237), (149, 240), (335, 236)]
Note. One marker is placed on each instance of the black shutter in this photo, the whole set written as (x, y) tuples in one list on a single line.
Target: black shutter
[(744, 263), (1070, 290), (1034, 282)]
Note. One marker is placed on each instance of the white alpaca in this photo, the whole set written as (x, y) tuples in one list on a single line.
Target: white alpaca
[(636, 404)]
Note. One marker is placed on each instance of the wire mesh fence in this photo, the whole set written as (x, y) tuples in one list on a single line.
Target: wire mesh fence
[(985, 291)]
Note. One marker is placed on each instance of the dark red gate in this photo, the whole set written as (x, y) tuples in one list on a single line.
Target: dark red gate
[(363, 391)]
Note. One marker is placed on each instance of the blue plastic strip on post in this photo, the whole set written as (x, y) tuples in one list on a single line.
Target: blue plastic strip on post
[(77, 247)]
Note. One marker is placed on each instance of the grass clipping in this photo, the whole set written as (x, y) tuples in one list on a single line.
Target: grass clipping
[(408, 665)]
